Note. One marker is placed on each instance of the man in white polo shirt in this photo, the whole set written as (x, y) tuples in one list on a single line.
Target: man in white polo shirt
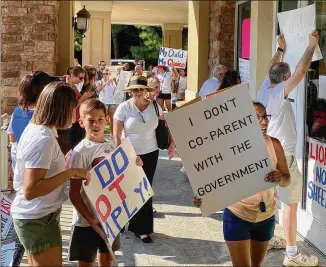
[(273, 94), (213, 83)]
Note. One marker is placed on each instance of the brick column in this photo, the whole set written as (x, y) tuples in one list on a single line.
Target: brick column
[(221, 33), (29, 43)]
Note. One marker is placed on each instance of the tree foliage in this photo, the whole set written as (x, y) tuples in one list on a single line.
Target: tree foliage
[(116, 28), (150, 43)]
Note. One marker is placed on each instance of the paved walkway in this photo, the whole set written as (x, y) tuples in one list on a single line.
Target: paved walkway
[(182, 236)]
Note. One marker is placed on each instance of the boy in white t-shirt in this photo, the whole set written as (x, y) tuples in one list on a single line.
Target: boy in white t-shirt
[(87, 239)]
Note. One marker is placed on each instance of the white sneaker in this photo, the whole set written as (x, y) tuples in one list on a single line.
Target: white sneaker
[(277, 243), (300, 260)]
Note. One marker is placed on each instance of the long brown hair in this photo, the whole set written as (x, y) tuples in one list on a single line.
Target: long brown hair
[(90, 73), (55, 106), (31, 86)]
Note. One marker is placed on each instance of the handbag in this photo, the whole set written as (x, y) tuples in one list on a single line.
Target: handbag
[(162, 133)]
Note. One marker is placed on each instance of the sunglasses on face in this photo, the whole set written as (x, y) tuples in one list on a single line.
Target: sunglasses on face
[(265, 117), (106, 74), (139, 90), (81, 78)]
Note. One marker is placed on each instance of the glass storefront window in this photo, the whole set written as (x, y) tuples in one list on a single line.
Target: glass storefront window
[(316, 123), (244, 11)]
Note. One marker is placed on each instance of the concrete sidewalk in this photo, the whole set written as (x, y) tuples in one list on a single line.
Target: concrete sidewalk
[(182, 236)]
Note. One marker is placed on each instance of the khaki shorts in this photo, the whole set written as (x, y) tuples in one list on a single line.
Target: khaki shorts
[(37, 235), (293, 193)]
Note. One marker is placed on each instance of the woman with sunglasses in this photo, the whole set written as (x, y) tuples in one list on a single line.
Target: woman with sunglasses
[(138, 119), (249, 225), (76, 80), (107, 89)]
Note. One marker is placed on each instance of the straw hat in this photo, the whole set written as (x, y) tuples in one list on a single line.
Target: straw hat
[(138, 82)]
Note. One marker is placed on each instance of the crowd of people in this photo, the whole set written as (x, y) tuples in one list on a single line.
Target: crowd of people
[(85, 102)]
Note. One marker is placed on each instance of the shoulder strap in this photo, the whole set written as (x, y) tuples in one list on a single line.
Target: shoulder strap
[(156, 108)]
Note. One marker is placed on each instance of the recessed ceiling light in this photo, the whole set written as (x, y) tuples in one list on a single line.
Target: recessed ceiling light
[(146, 9)]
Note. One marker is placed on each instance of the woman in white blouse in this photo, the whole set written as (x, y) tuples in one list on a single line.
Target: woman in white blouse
[(138, 118), (167, 79), (182, 84), (108, 95)]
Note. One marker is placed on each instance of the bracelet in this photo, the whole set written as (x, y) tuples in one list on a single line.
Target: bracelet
[(280, 49)]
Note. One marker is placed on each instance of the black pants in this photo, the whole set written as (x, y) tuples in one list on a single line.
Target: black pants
[(75, 135), (143, 222)]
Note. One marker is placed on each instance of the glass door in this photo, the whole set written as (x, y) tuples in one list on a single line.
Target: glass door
[(242, 57)]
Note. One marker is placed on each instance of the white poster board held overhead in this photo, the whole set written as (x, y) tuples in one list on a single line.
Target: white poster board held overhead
[(118, 189), (171, 57), (124, 78), (244, 70), (296, 25), (222, 148)]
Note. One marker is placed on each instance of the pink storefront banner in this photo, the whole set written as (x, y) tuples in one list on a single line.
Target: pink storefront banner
[(245, 39)]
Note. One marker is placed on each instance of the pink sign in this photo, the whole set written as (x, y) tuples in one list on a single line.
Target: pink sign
[(245, 39)]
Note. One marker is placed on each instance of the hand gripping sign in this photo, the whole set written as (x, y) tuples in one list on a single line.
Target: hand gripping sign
[(170, 57), (118, 189)]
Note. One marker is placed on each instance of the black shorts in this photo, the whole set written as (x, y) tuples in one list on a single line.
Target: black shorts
[(85, 243), (164, 96)]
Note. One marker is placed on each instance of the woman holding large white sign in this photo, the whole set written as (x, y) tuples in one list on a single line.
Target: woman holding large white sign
[(249, 225)]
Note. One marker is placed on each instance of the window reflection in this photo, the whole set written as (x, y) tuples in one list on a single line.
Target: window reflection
[(316, 85)]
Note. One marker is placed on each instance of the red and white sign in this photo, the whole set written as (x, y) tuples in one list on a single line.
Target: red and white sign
[(316, 184), (118, 189), (6, 219)]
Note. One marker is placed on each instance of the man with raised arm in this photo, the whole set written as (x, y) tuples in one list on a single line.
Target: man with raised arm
[(273, 94)]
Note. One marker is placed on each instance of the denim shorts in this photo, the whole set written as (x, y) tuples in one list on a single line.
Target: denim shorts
[(37, 235), (236, 229)]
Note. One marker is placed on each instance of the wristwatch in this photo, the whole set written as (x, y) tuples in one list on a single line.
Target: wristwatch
[(280, 49)]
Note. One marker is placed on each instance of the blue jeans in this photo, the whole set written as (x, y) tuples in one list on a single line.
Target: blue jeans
[(236, 229)]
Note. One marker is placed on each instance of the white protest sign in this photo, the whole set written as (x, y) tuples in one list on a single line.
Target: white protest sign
[(222, 148), (6, 219), (322, 87), (296, 25), (316, 186), (124, 78), (7, 254), (118, 189), (244, 70), (171, 57)]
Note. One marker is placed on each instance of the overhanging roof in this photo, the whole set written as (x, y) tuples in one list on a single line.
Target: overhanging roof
[(141, 12)]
